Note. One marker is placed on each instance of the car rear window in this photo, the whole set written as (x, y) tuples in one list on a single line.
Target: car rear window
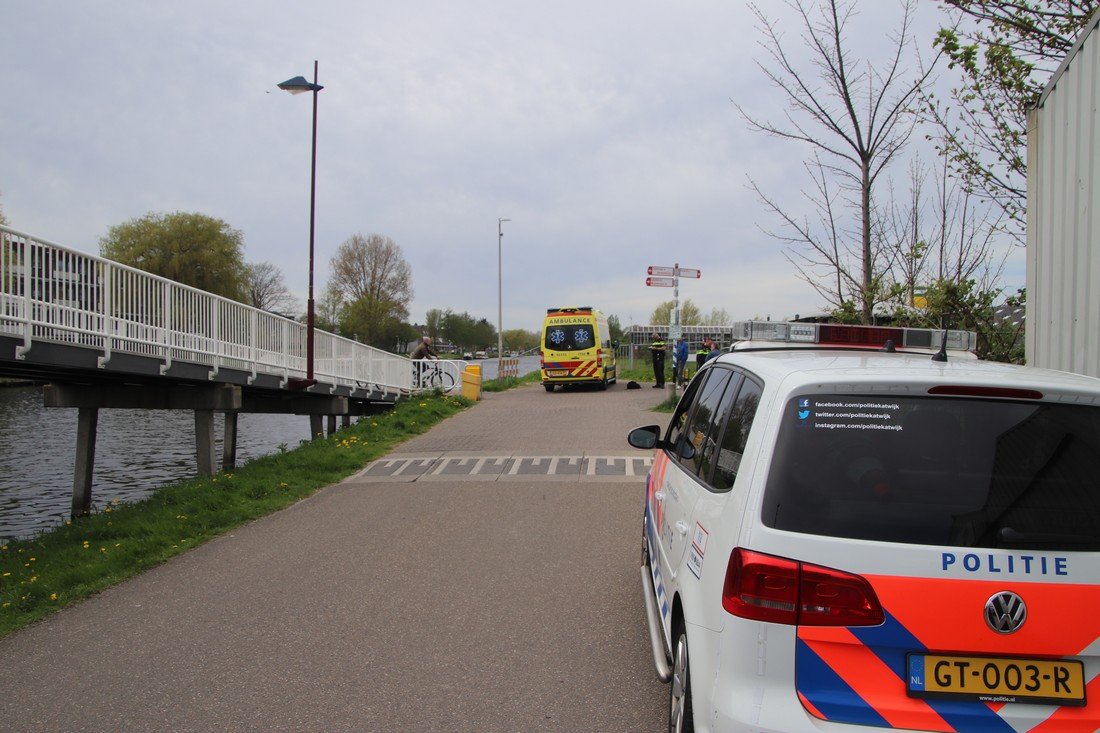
[(952, 472), (572, 337)]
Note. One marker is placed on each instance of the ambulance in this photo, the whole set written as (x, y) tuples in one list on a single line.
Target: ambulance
[(576, 348), (850, 529)]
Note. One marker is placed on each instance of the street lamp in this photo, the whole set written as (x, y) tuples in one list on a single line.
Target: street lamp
[(297, 85), (500, 297)]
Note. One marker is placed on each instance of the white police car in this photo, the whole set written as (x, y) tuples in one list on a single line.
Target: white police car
[(838, 538)]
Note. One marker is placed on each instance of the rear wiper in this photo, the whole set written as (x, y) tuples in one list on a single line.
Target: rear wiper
[(1010, 536)]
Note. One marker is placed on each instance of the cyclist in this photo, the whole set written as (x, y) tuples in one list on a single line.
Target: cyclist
[(422, 353), (423, 350)]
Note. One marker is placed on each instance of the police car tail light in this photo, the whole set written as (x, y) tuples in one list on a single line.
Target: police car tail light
[(768, 588)]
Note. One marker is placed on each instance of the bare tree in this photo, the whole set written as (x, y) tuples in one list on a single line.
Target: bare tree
[(375, 283), (268, 290), (857, 117), (936, 233)]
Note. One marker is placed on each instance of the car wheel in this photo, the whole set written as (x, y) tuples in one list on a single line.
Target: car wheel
[(549, 387), (680, 716)]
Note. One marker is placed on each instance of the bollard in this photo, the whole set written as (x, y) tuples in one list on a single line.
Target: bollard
[(471, 382)]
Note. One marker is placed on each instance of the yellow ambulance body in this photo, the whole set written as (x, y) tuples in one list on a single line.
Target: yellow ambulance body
[(577, 348)]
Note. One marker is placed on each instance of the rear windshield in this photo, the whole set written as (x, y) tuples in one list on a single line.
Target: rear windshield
[(955, 472), (570, 337)]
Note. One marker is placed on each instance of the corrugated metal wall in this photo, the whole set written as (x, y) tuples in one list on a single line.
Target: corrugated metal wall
[(1063, 217)]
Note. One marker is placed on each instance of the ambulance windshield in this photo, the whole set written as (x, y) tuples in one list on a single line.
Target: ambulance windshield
[(569, 337), (949, 472)]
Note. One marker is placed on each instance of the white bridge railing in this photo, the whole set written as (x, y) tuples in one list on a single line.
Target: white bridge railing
[(52, 293)]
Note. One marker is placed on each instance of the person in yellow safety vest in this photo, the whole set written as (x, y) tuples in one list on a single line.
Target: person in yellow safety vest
[(701, 354), (657, 349)]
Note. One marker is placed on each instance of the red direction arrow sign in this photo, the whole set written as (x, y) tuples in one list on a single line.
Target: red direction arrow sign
[(688, 272), (667, 271), (660, 282)]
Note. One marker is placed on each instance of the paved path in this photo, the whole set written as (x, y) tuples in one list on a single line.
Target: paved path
[(434, 591)]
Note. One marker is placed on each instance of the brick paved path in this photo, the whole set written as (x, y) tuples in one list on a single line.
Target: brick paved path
[(458, 601)]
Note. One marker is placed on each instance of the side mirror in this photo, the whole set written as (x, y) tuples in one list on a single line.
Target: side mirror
[(686, 450), (645, 438)]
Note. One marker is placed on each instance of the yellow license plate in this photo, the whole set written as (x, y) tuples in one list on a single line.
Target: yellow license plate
[(557, 372), (997, 679)]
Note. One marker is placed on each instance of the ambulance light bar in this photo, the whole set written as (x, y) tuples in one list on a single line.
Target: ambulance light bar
[(834, 334)]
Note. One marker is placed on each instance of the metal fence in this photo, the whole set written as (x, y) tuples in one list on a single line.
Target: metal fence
[(51, 293)]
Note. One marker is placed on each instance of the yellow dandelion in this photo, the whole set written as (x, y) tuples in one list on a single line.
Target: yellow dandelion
[(34, 578), (6, 575), (33, 559), (6, 605), (53, 597)]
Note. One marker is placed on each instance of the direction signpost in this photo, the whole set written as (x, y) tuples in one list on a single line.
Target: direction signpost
[(669, 277)]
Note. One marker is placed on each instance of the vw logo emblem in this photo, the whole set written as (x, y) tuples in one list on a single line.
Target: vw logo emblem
[(1005, 612)]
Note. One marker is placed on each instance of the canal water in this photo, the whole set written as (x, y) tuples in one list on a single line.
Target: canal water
[(136, 451)]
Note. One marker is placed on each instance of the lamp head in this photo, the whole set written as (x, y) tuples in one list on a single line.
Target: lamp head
[(298, 84)]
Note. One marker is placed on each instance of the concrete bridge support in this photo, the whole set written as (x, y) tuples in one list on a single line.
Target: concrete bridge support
[(86, 422), (89, 399), (205, 400)]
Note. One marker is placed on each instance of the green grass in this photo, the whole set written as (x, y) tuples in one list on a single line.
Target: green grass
[(64, 565), (499, 385)]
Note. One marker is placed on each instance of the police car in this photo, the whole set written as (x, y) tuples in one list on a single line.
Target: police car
[(850, 528)]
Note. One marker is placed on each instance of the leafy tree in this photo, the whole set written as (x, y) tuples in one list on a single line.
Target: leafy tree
[(615, 327), (716, 317), (1005, 52), (3, 219), (268, 290), (373, 281), (519, 339), (962, 304), (433, 321), (689, 313), (856, 117), (327, 310), (466, 332), (190, 248)]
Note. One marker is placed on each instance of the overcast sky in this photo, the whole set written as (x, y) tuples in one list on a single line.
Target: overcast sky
[(604, 130)]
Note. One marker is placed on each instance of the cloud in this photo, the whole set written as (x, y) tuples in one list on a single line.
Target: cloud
[(604, 131)]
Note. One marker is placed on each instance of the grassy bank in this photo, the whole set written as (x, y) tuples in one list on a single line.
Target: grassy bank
[(62, 566)]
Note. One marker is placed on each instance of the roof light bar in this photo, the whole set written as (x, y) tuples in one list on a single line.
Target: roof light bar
[(834, 334)]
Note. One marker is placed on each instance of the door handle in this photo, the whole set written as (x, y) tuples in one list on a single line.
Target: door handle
[(682, 528)]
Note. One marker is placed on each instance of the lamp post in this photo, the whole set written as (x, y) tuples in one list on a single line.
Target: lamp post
[(500, 296), (297, 85)]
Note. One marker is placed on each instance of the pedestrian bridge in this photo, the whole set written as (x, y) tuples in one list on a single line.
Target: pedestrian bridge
[(66, 313), (106, 335)]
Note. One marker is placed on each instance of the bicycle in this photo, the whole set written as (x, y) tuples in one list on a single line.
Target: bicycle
[(432, 375)]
